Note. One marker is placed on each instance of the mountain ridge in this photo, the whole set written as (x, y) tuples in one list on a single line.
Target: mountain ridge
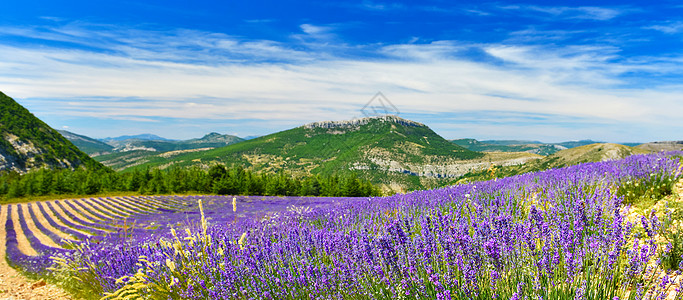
[(27, 143), (535, 147), (390, 151), (142, 136), (568, 157)]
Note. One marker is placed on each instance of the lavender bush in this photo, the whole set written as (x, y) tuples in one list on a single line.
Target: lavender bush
[(558, 234)]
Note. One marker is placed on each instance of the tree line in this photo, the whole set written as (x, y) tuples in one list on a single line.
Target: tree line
[(216, 180)]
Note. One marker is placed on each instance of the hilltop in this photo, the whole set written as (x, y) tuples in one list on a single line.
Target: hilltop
[(27, 143), (391, 151)]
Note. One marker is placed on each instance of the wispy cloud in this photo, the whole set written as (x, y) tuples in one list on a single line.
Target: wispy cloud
[(379, 6), (144, 76), (669, 27), (567, 12)]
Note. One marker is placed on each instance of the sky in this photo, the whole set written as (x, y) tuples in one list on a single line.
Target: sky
[(534, 70)]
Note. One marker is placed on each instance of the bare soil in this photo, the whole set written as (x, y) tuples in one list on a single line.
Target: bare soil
[(13, 285)]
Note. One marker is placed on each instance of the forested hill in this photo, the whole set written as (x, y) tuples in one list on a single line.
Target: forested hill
[(27, 143), (387, 150)]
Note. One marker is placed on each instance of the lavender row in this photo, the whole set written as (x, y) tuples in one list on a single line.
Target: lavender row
[(33, 264), (97, 213), (553, 234), (35, 243), (76, 234), (109, 209), (134, 209), (70, 224), (115, 205), (92, 227), (56, 238)]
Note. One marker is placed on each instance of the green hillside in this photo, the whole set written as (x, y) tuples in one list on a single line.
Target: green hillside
[(28, 143), (581, 154), (386, 150)]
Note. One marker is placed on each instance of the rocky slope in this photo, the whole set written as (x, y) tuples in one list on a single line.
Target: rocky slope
[(396, 153), (27, 143)]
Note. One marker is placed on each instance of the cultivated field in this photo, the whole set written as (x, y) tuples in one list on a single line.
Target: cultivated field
[(587, 231)]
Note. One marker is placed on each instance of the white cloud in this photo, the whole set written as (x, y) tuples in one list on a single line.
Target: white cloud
[(376, 6), (669, 28), (145, 76), (580, 12)]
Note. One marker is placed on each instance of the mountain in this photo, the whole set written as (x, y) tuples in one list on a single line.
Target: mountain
[(509, 146), (153, 143), (568, 157), (27, 143), (662, 146), (573, 144), (122, 153), (586, 153), (144, 137), (396, 153), (510, 142), (88, 145), (535, 147), (214, 139)]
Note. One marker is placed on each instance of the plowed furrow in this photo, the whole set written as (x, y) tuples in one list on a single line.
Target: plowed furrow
[(59, 217), (145, 209), (106, 209), (22, 242), (84, 212), (40, 218), (39, 234), (76, 218)]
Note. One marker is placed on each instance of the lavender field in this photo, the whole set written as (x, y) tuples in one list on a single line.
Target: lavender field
[(560, 234)]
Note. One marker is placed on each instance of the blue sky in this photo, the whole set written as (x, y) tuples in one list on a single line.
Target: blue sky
[(538, 70)]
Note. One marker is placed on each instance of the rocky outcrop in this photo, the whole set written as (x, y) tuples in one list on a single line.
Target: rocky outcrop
[(27, 143), (363, 121)]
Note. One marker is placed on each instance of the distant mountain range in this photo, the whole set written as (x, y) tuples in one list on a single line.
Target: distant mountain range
[(396, 153), (522, 146), (27, 143), (563, 158), (144, 137), (145, 144), (88, 145)]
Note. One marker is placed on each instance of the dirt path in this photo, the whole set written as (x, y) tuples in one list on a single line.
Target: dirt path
[(15, 286)]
